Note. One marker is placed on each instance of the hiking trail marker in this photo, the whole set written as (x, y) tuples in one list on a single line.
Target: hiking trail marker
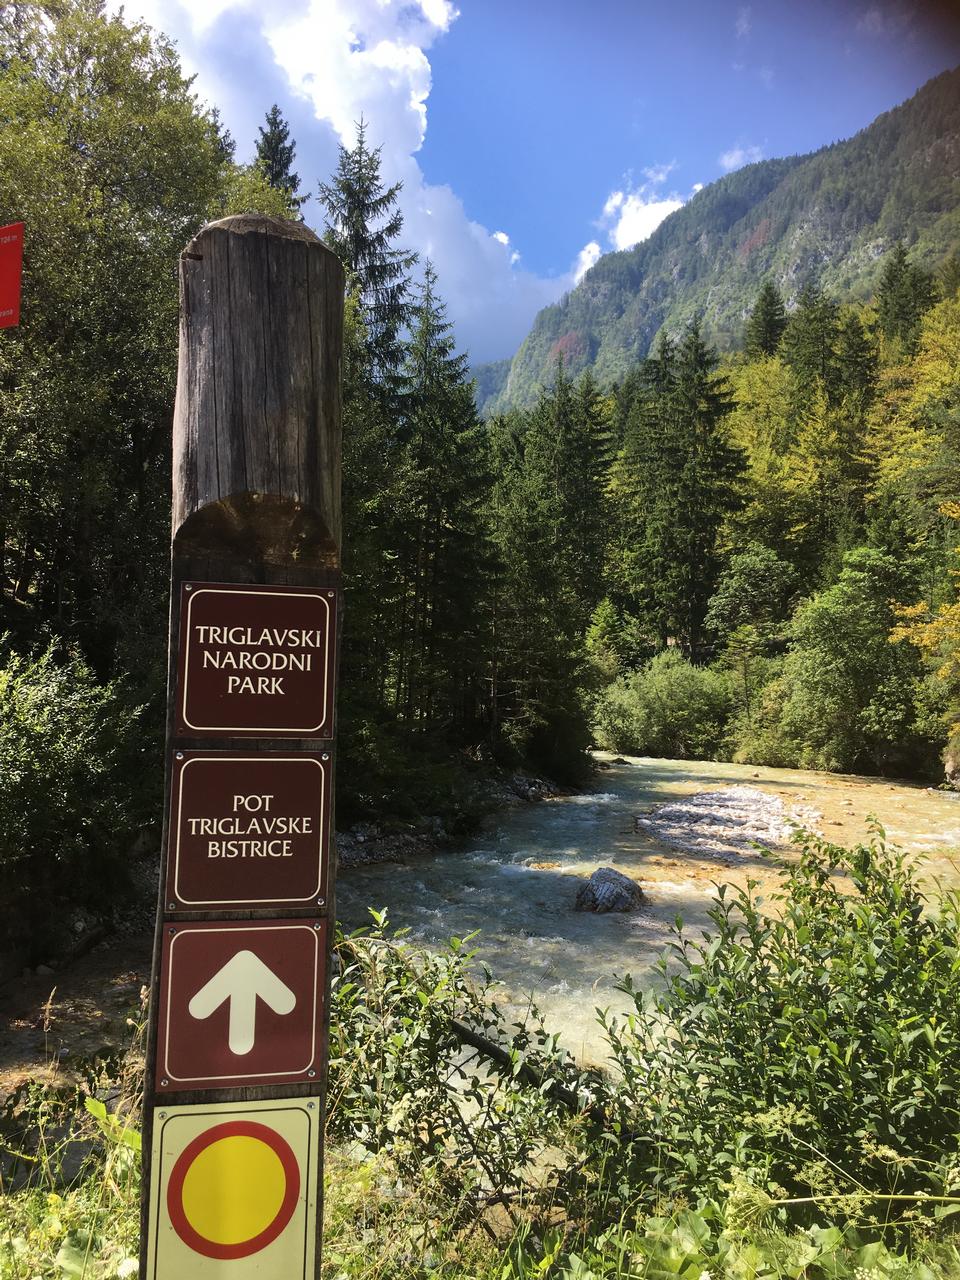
[(238, 1030)]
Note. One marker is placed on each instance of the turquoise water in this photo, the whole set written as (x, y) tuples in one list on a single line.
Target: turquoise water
[(528, 933)]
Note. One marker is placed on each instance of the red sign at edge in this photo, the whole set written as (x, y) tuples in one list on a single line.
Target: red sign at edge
[(11, 272)]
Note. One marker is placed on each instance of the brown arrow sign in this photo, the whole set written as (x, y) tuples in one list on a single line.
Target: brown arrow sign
[(240, 1004), (248, 831)]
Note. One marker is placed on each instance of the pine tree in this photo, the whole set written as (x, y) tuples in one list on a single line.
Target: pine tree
[(858, 364), (949, 275), (363, 223), (809, 344), (904, 294), (567, 447), (275, 157), (443, 544), (767, 322), (678, 477)]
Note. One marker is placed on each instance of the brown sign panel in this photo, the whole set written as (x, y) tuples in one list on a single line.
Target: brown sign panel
[(248, 831), (256, 660), (241, 1003)]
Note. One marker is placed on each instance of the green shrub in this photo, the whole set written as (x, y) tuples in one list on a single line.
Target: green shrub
[(69, 807), (402, 1083), (849, 695), (667, 708), (816, 1049)]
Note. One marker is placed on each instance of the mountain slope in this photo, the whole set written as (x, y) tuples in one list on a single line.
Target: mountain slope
[(827, 217)]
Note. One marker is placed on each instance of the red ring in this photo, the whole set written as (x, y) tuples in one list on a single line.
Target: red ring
[(233, 1129)]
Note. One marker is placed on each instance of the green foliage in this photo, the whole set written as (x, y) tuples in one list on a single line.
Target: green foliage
[(546, 513), (813, 1048), (403, 1085), (695, 1242), (110, 162), (752, 590), (848, 694), (275, 153), (363, 224), (667, 708), (768, 319), (70, 761), (674, 481), (904, 293)]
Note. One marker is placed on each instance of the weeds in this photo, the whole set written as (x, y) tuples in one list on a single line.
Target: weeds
[(786, 1107)]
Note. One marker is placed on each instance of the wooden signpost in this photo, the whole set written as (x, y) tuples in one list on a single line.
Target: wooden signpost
[(237, 1042)]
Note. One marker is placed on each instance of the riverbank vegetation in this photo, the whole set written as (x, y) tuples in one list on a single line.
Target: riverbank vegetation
[(785, 1103)]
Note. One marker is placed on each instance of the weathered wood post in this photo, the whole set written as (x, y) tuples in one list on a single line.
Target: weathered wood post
[(236, 1053)]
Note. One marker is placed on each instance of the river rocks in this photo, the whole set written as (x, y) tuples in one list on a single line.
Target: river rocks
[(609, 890), (725, 821)]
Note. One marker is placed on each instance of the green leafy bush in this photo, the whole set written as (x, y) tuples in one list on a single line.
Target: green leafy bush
[(816, 1050), (69, 760), (703, 1242), (404, 1082), (849, 695), (667, 708)]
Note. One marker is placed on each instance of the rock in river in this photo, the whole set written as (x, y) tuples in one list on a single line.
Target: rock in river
[(609, 890)]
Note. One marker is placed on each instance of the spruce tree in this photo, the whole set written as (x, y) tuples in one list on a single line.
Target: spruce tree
[(767, 322), (363, 223), (685, 484), (904, 294), (275, 154), (949, 275), (809, 344), (858, 363), (443, 545)]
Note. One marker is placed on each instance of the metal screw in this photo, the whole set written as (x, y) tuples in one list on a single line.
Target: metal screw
[(171, 906), (164, 1082), (172, 931), (321, 902), (331, 593), (316, 926), (188, 587), (179, 755), (310, 1106), (162, 1115), (325, 756), (311, 1074)]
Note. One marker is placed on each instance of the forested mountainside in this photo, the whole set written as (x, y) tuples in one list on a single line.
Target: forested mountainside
[(825, 218)]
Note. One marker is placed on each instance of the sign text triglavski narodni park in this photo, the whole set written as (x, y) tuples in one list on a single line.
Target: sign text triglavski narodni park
[(237, 1046)]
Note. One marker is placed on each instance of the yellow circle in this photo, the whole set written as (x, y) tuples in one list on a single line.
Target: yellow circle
[(233, 1190)]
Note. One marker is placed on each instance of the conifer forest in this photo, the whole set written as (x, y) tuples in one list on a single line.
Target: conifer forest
[(737, 541)]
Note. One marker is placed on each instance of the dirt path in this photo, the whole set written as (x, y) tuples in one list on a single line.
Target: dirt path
[(49, 1021)]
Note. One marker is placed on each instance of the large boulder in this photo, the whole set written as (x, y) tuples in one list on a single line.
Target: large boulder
[(609, 890)]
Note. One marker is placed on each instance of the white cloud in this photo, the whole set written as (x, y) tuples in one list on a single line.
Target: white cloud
[(328, 63), (738, 156), (885, 20), (638, 218), (631, 214), (588, 257), (744, 25), (658, 173), (697, 186)]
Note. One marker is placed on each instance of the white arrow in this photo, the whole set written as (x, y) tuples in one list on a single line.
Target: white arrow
[(241, 980)]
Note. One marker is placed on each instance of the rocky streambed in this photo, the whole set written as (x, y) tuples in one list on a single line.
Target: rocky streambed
[(674, 828)]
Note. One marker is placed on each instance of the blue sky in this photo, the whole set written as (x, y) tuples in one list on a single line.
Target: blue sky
[(533, 135)]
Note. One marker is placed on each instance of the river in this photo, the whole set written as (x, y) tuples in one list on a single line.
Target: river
[(516, 882)]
